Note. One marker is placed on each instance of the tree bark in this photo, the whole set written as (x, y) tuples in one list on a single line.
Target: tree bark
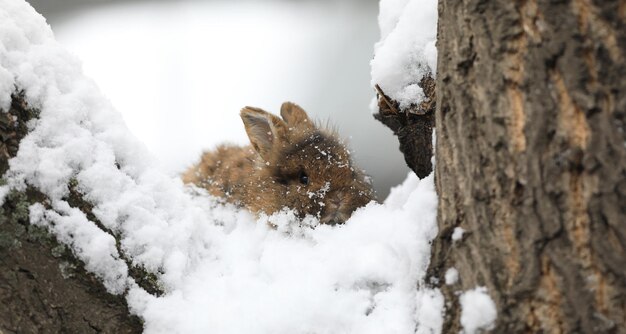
[(531, 162), (43, 287)]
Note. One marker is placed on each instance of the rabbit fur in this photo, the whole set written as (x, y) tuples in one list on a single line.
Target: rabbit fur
[(290, 163)]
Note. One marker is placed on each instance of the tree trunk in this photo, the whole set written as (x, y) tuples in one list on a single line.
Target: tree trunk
[(531, 162), (43, 287)]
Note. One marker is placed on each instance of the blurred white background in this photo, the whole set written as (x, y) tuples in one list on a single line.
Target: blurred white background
[(180, 71)]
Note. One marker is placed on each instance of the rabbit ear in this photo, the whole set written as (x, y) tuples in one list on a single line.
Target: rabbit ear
[(265, 130), (295, 116)]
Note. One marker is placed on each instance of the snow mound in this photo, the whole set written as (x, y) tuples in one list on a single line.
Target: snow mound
[(478, 311), (222, 271), (406, 51)]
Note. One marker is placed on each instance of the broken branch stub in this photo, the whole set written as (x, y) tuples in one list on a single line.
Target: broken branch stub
[(413, 126)]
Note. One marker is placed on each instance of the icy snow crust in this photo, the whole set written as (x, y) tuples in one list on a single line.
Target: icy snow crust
[(222, 271), (406, 51)]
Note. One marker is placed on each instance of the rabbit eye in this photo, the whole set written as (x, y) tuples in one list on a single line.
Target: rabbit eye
[(304, 179)]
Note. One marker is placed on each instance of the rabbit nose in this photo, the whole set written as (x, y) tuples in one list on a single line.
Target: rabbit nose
[(335, 202), (335, 210), (332, 204)]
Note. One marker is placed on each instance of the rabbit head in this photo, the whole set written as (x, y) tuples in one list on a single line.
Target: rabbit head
[(302, 167)]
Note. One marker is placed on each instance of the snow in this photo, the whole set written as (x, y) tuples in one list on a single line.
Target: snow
[(406, 51), (451, 276), (478, 311), (96, 249), (222, 270), (430, 311), (457, 234)]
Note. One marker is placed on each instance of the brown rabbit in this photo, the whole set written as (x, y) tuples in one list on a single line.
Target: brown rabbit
[(291, 163)]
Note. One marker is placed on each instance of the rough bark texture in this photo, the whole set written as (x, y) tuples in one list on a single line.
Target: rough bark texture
[(531, 161), (413, 127), (43, 287)]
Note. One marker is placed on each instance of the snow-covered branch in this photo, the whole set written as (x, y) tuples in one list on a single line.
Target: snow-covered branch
[(403, 72)]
